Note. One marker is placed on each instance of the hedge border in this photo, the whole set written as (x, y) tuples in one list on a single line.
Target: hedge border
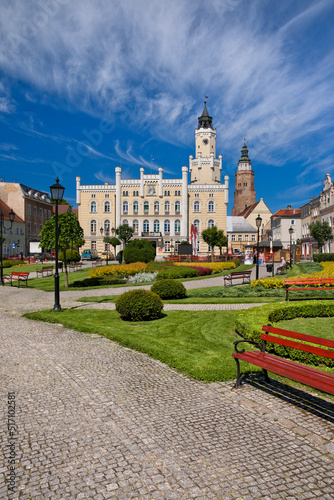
[(249, 324)]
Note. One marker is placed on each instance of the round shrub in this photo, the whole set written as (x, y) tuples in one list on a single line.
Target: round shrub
[(139, 305), (139, 251), (9, 263), (169, 289), (71, 256)]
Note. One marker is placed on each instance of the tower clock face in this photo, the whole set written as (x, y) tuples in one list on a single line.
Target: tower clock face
[(205, 141)]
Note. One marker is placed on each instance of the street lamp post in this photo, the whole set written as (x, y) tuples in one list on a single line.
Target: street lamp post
[(11, 216), (258, 221), (291, 233), (57, 193)]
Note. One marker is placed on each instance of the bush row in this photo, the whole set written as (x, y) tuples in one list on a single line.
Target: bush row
[(249, 324), (323, 257)]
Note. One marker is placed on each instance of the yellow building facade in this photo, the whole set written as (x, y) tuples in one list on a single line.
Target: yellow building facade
[(160, 210)]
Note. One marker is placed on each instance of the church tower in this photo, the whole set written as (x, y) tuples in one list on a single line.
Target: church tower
[(205, 168), (244, 194)]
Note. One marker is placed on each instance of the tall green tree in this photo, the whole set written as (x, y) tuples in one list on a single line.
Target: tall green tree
[(125, 233), (212, 237), (222, 240), (321, 232), (70, 235)]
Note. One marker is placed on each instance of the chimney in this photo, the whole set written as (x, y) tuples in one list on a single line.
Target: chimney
[(289, 207)]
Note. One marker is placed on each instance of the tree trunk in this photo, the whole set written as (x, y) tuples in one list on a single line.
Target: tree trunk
[(212, 254), (66, 275)]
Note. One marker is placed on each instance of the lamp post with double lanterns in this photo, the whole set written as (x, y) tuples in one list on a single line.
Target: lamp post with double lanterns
[(258, 221), (11, 217), (291, 230), (57, 193)]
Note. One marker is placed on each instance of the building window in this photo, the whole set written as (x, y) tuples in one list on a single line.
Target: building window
[(177, 193), (196, 206), (146, 207), (210, 195), (135, 226), (233, 237), (177, 207), (35, 229), (41, 212), (106, 195), (107, 206), (93, 245), (93, 207), (156, 226), (156, 207), (45, 213), (29, 227), (167, 226), (49, 214), (135, 193), (135, 207), (35, 210), (197, 224), (167, 193), (29, 210), (167, 246), (40, 228), (196, 195), (106, 227), (239, 237), (253, 237), (292, 222), (93, 195), (125, 207), (22, 232), (125, 193), (246, 237), (93, 227), (167, 207), (146, 226), (211, 206), (177, 227), (18, 232), (211, 223)]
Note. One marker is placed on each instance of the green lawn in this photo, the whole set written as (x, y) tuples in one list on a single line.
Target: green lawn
[(198, 344)]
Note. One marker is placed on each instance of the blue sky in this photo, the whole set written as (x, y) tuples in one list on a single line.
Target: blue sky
[(87, 85)]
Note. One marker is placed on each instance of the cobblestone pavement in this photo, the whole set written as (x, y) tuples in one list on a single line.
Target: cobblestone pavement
[(96, 420)]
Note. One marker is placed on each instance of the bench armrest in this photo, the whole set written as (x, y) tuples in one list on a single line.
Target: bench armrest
[(260, 346)]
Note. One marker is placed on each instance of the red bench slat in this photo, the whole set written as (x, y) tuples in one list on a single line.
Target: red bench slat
[(298, 336)]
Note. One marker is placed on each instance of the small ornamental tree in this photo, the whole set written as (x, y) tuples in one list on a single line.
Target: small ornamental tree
[(222, 240), (70, 234), (125, 233), (321, 232), (211, 237), (113, 242)]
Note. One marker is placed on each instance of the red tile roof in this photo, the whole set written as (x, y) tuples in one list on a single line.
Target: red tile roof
[(248, 210), (5, 210), (287, 212)]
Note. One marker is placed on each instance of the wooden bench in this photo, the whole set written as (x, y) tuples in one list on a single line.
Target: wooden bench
[(17, 276), (76, 266), (285, 367), (237, 275), (97, 263), (307, 284), (45, 269), (282, 269)]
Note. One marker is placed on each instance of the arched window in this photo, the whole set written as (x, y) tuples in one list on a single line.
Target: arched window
[(125, 207), (211, 223), (146, 226), (177, 227), (167, 207), (211, 206), (156, 207), (167, 226), (146, 207), (177, 207), (93, 227), (107, 227), (135, 207), (93, 206), (196, 206), (156, 226), (107, 206), (135, 226), (197, 224)]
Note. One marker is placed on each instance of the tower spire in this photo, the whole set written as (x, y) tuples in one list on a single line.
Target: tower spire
[(205, 121)]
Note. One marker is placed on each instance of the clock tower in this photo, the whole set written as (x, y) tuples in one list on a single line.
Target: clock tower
[(205, 168)]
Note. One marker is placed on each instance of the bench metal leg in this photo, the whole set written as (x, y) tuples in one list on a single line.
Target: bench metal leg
[(239, 376), (266, 378)]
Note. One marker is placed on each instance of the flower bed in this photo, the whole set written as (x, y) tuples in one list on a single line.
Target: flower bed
[(122, 270), (217, 267)]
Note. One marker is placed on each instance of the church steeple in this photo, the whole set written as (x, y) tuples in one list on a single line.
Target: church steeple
[(205, 121), (244, 154), (244, 194)]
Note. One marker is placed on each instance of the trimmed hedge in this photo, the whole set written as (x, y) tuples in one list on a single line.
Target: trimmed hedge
[(139, 305), (249, 324), (98, 282), (169, 289), (176, 272), (323, 257), (139, 251)]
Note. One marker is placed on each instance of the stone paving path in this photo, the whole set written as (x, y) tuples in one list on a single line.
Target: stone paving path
[(96, 420)]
